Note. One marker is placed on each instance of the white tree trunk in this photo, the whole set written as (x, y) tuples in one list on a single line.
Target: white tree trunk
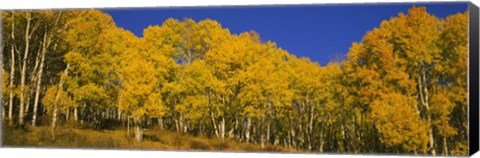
[(138, 133), (214, 126), (160, 122), (54, 121), (57, 96), (222, 128), (24, 69), (12, 75), (247, 132), (445, 147), (119, 115), (138, 130), (75, 114), (128, 127), (37, 88), (423, 91), (268, 134), (27, 106), (68, 114)]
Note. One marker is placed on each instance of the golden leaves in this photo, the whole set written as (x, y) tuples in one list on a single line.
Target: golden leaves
[(407, 59)]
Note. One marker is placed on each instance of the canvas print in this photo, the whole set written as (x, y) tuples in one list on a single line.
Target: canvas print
[(352, 78)]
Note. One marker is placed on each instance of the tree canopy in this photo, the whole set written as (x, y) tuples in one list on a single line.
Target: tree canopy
[(401, 89)]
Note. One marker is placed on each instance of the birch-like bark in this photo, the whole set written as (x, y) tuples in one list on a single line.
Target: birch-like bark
[(119, 117), (445, 147), (230, 133), (430, 131), (180, 121), (138, 130), (24, 69), (423, 90), (321, 141), (75, 114), (39, 80), (160, 122), (268, 134), (222, 128), (12, 74), (310, 127), (68, 114), (176, 126), (211, 115), (33, 78), (247, 132), (55, 108)]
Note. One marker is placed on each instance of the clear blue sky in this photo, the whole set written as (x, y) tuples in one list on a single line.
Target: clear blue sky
[(319, 32)]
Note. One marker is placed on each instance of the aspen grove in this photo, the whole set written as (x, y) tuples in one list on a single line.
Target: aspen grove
[(401, 89)]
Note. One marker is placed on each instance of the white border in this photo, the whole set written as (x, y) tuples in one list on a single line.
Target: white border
[(82, 153)]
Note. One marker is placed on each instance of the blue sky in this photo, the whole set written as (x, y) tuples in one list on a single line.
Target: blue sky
[(320, 32)]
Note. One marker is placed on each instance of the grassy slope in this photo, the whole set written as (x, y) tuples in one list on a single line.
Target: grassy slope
[(116, 139)]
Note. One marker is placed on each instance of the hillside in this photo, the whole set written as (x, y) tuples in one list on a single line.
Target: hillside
[(70, 137)]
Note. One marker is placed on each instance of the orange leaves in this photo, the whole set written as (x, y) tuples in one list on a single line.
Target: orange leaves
[(408, 59), (84, 26), (56, 98), (442, 107), (191, 71), (398, 121)]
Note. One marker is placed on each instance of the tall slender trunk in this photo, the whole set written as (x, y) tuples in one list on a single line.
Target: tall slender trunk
[(289, 139), (423, 90), (254, 134), (268, 133), (138, 130), (247, 132), (222, 128), (177, 126), (39, 82), (149, 122), (27, 106), (186, 126), (201, 128), (310, 127), (293, 137), (321, 141), (55, 108), (181, 124), (128, 127), (119, 115), (262, 132), (160, 122), (54, 121), (12, 74), (215, 128), (75, 114), (24, 69), (138, 133), (67, 115), (33, 76), (445, 147), (235, 129)]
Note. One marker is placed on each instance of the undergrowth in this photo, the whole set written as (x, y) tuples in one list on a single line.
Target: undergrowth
[(75, 137)]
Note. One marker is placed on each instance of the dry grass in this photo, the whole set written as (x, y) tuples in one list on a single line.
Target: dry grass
[(69, 137)]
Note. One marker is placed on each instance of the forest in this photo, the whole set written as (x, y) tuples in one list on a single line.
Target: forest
[(401, 89)]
